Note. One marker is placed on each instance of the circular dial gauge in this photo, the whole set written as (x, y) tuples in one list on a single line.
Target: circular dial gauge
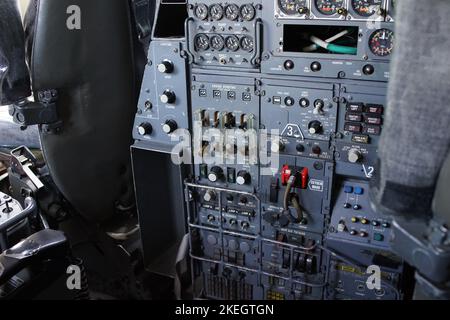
[(292, 7), (217, 43), (381, 42), (367, 8), (232, 43), (232, 12), (216, 11), (329, 7), (248, 12), (247, 44), (201, 42), (201, 11)]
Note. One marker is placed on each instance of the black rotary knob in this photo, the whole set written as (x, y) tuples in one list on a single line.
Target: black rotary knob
[(215, 174), (243, 177), (165, 67), (368, 69), (170, 126), (315, 127), (145, 129), (289, 65), (168, 97), (289, 101), (316, 66)]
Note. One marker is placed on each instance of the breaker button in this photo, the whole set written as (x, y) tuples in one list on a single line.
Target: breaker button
[(378, 237)]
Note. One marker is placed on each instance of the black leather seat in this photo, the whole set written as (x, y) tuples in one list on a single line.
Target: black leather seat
[(94, 71)]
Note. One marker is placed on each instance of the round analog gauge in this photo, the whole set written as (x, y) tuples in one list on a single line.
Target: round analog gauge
[(329, 7), (217, 43), (232, 43), (201, 42), (381, 42), (216, 11), (292, 7), (232, 12), (248, 12), (201, 11), (247, 44), (367, 8)]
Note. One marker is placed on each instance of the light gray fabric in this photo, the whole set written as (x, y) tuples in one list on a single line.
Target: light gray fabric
[(416, 136)]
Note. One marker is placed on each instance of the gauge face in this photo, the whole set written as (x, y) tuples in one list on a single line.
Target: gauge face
[(216, 11), (247, 44), (232, 43), (329, 7), (367, 8), (201, 42), (201, 11), (292, 7), (232, 12), (381, 42), (248, 12), (217, 43)]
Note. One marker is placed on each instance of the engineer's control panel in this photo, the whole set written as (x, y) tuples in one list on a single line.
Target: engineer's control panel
[(284, 104)]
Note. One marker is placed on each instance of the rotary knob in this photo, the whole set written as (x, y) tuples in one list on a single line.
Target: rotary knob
[(215, 174), (168, 97), (170, 126), (243, 177), (145, 129), (315, 127), (165, 67), (277, 146), (209, 196), (354, 156)]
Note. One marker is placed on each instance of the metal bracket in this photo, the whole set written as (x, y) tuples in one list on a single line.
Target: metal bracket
[(27, 113), (22, 160)]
